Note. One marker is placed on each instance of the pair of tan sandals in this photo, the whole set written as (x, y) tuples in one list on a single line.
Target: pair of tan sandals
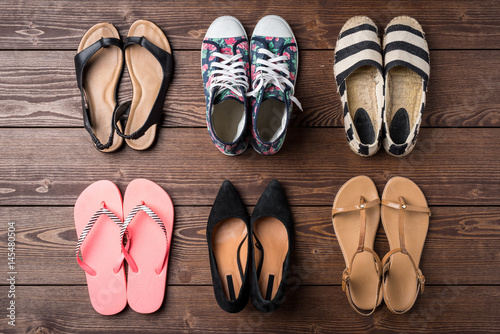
[(356, 213)]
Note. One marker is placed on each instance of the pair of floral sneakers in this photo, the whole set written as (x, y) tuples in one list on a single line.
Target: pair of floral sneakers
[(228, 62), (382, 87)]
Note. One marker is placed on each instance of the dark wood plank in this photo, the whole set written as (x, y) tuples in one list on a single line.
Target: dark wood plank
[(53, 166), (448, 24), (38, 89), (306, 309), (46, 239)]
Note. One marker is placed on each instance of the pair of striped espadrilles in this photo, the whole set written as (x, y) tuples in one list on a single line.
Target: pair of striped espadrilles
[(382, 86)]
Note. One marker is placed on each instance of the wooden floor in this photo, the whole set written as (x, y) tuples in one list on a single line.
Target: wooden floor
[(47, 160)]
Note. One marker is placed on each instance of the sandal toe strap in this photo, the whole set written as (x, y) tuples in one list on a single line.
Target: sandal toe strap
[(362, 205), (401, 205)]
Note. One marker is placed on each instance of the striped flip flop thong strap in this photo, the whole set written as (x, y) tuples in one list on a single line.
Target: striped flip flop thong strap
[(85, 233), (123, 232)]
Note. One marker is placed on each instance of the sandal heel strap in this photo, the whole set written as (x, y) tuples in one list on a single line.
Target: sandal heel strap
[(346, 282), (81, 59), (418, 274)]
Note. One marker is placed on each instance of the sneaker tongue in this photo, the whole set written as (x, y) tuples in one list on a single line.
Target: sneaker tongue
[(227, 94), (272, 92)]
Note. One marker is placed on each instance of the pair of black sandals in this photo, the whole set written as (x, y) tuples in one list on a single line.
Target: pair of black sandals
[(99, 66)]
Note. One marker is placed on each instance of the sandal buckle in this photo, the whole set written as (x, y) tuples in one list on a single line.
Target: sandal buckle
[(421, 280)]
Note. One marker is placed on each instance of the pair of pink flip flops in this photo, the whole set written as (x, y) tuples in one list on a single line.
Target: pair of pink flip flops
[(107, 238)]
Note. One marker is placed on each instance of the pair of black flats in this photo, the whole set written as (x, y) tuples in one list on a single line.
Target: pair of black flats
[(240, 247)]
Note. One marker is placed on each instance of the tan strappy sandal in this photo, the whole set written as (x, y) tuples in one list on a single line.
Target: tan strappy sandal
[(405, 217), (356, 215)]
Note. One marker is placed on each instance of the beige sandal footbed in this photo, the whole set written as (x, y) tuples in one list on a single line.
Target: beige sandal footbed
[(403, 203), (100, 80), (362, 276), (146, 75)]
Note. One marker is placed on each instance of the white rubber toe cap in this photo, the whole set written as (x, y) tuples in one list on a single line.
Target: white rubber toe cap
[(225, 27), (273, 26)]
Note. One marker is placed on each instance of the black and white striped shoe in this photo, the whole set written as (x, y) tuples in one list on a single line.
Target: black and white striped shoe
[(359, 76), (407, 67)]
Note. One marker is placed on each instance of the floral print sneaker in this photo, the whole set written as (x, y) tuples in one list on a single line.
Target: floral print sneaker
[(274, 67), (225, 69)]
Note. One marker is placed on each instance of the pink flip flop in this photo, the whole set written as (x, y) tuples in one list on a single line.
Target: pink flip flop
[(149, 225), (98, 219)]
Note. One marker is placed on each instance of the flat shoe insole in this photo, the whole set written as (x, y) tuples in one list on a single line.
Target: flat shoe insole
[(228, 119), (361, 95), (400, 127), (271, 120), (404, 92), (364, 127)]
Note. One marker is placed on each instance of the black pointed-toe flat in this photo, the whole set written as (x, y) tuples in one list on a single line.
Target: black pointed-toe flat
[(271, 230), (228, 247)]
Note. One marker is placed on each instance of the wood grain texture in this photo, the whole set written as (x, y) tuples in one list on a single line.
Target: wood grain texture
[(444, 309), (46, 241), (60, 24), (47, 160), (38, 89), (53, 166)]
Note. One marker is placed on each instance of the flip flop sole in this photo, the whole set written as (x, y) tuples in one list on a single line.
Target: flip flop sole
[(148, 244), (101, 248)]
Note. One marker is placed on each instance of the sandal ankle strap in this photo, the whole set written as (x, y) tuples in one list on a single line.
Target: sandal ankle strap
[(346, 275), (418, 274), (362, 206), (402, 207)]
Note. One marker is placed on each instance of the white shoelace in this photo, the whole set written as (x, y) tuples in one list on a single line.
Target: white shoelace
[(229, 73), (270, 72)]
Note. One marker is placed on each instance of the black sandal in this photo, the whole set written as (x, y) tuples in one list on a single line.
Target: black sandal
[(100, 56), (150, 64)]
